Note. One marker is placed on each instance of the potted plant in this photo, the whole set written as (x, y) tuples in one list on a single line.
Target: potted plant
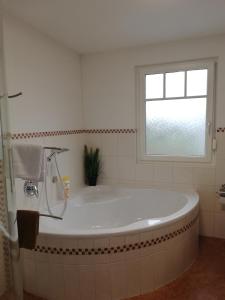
[(91, 165)]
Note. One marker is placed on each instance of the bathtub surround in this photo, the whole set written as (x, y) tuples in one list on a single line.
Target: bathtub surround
[(110, 275), (210, 261), (121, 259)]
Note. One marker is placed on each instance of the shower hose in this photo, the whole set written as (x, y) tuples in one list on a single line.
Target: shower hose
[(62, 187)]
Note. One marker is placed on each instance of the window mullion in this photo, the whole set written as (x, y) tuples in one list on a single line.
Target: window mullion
[(185, 84), (176, 116), (176, 98), (164, 85)]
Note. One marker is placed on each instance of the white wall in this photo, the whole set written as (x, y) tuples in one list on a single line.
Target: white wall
[(109, 78), (109, 102), (48, 75)]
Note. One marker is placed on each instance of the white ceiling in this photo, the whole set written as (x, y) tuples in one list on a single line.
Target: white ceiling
[(98, 25)]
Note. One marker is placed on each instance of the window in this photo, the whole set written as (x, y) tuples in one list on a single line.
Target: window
[(175, 111)]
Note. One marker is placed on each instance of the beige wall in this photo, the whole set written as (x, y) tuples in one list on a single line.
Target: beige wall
[(109, 102)]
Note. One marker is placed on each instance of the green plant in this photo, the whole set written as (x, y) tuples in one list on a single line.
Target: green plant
[(91, 165)]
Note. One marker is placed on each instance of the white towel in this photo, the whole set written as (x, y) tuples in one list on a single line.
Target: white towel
[(28, 162)]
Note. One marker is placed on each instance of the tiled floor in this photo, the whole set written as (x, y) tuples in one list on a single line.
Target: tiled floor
[(205, 280)]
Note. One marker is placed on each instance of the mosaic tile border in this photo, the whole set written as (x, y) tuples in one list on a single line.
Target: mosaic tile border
[(117, 249), (220, 129), (126, 130), (5, 244), (29, 135)]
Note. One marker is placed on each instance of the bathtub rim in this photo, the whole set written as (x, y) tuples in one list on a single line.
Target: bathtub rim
[(136, 227)]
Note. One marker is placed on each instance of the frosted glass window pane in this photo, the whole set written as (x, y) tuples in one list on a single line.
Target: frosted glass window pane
[(197, 82), (176, 127), (154, 86), (175, 84)]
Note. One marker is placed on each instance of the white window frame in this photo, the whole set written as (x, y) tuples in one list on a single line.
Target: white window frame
[(141, 72)]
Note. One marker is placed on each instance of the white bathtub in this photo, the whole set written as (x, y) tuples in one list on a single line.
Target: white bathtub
[(104, 210), (113, 243)]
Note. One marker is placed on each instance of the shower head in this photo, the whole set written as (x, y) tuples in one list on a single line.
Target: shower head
[(54, 151)]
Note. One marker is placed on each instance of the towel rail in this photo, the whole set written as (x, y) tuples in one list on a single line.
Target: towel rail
[(15, 95)]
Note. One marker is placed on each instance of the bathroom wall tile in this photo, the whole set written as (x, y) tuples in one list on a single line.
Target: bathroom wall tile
[(101, 243), (126, 168), (219, 225), (85, 243), (118, 281), (164, 266), (43, 275), (182, 174), (187, 258), (147, 274), (117, 241), (204, 175), (94, 140), (109, 144), (175, 255), (54, 242), (183, 187), (164, 172), (144, 172), (172, 228), (146, 236), (27, 253), (157, 234), (131, 240), (220, 151), (41, 240), (85, 259), (126, 145), (38, 256), (109, 167), (133, 277), (220, 172), (71, 280), (29, 276), (70, 243), (107, 181), (87, 282), (206, 223), (56, 284), (160, 265), (207, 196), (103, 283)]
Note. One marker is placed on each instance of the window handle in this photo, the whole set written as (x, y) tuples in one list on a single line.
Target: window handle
[(209, 128)]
